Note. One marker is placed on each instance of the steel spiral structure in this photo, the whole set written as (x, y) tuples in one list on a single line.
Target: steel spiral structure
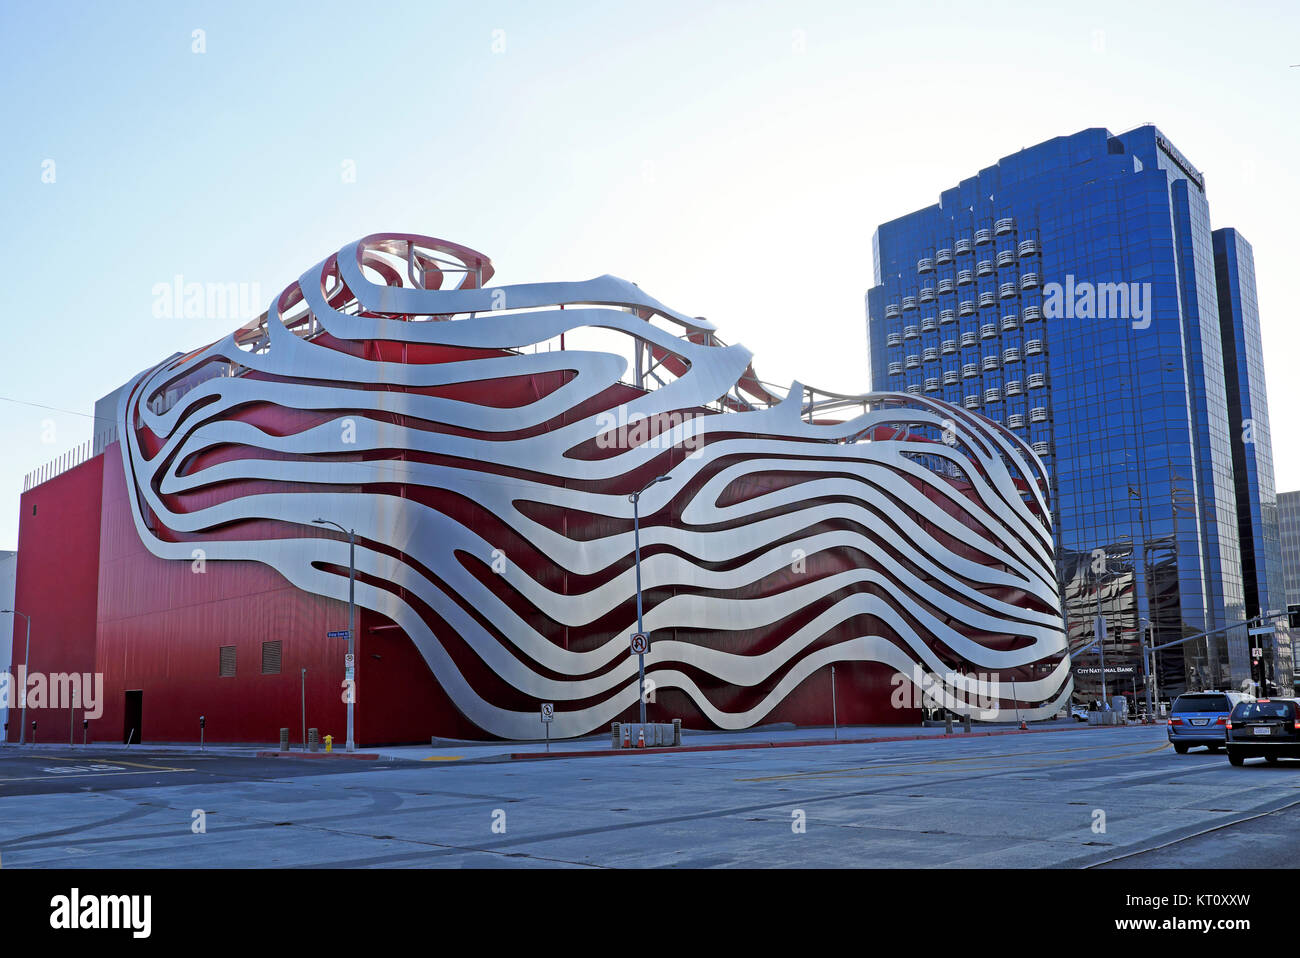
[(485, 463)]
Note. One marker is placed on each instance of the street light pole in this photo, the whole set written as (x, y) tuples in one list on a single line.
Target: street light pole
[(1146, 675), (27, 664), (349, 674), (1136, 493), (635, 499), (1099, 628)]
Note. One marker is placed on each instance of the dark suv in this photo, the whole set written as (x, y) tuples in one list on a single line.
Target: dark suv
[(1268, 727)]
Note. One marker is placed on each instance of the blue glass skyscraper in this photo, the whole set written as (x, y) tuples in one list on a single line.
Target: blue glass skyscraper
[(1070, 291), (1288, 509), (1258, 516)]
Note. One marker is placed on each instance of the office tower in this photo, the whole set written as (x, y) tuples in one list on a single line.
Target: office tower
[(1070, 292)]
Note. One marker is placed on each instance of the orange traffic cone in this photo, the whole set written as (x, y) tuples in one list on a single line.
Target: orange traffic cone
[(1023, 726), (640, 736), (626, 742)]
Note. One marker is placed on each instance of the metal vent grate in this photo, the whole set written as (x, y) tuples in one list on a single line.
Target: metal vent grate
[(271, 658), (227, 666)]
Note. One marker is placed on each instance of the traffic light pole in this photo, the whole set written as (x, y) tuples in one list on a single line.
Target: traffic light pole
[(1271, 614)]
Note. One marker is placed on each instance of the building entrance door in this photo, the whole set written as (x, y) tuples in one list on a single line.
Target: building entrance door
[(133, 717)]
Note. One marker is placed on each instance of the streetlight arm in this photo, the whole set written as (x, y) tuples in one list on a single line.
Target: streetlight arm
[(634, 497), (328, 522)]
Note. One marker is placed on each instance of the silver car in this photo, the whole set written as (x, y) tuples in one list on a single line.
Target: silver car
[(1201, 718)]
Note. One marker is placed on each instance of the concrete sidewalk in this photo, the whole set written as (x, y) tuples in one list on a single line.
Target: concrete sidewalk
[(771, 736), (447, 750)]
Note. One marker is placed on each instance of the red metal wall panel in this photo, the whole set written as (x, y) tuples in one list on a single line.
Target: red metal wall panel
[(58, 573), (162, 624)]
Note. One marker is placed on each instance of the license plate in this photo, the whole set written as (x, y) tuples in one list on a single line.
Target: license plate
[(1262, 730), (1200, 721)]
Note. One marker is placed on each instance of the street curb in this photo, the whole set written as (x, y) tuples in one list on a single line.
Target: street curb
[(368, 756), (736, 746)]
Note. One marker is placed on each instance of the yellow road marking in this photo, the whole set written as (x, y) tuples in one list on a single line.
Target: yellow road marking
[(103, 761), (41, 778), (86, 760)]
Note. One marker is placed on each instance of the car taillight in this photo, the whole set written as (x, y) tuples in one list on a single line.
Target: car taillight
[(1229, 724), (1297, 725), (1221, 721), (1175, 721)]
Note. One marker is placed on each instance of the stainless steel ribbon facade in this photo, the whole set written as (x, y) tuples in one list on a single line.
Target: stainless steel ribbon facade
[(961, 502)]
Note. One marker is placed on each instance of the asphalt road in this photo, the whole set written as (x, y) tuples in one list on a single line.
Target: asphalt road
[(47, 771), (1096, 797)]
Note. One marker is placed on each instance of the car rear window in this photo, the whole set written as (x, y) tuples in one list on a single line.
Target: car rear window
[(1202, 703), (1264, 710)]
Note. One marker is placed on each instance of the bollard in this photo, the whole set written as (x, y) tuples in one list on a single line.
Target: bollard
[(965, 722), (677, 731), (329, 743), (284, 740), (613, 733), (947, 723), (313, 740)]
